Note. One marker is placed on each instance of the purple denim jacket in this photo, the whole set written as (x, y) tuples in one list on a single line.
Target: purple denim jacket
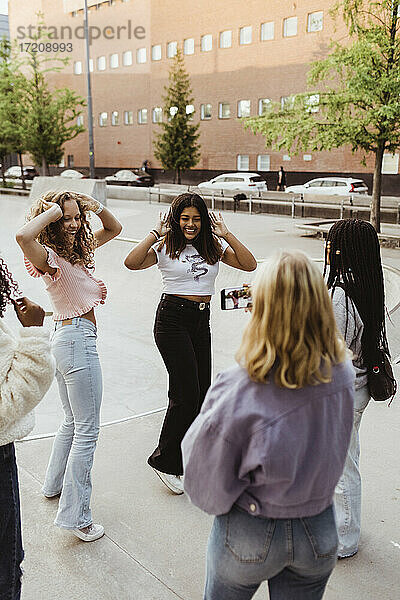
[(272, 451)]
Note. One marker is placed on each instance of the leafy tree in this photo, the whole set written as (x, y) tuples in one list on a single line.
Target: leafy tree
[(176, 146), (353, 97), (51, 115), (12, 110)]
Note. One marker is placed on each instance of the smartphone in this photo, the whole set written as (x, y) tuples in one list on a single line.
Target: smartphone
[(239, 297)]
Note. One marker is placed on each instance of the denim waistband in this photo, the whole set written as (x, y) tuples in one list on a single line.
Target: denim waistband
[(184, 302), (76, 322)]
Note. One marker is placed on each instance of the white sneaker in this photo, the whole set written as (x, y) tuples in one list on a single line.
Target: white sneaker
[(173, 482), (90, 533)]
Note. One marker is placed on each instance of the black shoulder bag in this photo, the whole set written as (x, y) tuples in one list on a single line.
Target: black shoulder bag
[(381, 382)]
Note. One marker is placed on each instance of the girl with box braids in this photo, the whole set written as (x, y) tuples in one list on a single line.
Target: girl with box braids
[(355, 264), (355, 278)]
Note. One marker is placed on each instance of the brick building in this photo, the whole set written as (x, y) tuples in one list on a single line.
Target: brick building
[(240, 56)]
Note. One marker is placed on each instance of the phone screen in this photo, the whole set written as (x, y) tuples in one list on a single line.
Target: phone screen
[(239, 297)]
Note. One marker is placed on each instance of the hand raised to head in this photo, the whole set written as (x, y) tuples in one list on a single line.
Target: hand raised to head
[(162, 224), (218, 225), (56, 210)]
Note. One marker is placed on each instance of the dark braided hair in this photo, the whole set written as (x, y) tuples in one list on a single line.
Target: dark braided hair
[(8, 287), (355, 265)]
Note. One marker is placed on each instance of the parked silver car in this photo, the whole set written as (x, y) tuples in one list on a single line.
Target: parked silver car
[(128, 177), (333, 186)]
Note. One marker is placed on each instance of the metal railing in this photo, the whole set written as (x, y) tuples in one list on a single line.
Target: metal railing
[(345, 204)]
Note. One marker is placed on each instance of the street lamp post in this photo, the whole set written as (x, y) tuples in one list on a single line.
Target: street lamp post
[(89, 96)]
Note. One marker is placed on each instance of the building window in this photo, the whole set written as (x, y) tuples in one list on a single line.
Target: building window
[(224, 110), (78, 67), (157, 114), (127, 59), (91, 65), (79, 120), (267, 31), (101, 63), (390, 164), (128, 117), (287, 102), (264, 104), (315, 21), (156, 52), (114, 118), (114, 61), (245, 35), (206, 43), (312, 103), (242, 162), (225, 39), (188, 46), (70, 160), (190, 111), (243, 108), (307, 157), (263, 162), (142, 116), (172, 48), (286, 158), (172, 112), (103, 118), (141, 56), (205, 111), (289, 26)]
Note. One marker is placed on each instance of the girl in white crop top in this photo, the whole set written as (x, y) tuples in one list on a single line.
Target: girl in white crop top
[(190, 243), (58, 245)]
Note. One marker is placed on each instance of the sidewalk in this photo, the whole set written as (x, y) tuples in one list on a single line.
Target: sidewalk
[(155, 542)]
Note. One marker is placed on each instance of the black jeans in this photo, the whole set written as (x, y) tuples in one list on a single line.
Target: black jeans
[(11, 553), (182, 334)]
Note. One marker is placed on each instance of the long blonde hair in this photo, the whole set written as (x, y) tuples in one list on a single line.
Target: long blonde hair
[(292, 326), (53, 235)]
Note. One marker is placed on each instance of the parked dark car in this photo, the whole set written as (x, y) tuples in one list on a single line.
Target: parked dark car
[(15, 172), (128, 177)]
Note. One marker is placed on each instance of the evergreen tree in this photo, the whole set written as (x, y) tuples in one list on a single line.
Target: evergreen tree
[(354, 94), (176, 147), (51, 115)]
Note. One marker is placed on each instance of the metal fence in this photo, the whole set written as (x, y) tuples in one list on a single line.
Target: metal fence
[(295, 204)]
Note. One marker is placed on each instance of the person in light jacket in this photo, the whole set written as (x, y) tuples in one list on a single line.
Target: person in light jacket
[(26, 372), (269, 445)]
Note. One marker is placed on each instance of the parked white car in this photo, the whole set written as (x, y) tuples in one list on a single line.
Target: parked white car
[(72, 174), (236, 182), (334, 186)]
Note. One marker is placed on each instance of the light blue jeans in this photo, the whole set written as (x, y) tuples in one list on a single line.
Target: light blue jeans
[(80, 385), (347, 499), (296, 556)]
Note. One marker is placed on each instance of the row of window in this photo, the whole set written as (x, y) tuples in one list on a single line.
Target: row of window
[(267, 32), (98, 6), (224, 111), (263, 161)]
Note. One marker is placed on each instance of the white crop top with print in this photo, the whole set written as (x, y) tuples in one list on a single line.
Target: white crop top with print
[(188, 275)]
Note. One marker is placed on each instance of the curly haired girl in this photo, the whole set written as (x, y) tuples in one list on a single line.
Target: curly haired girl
[(59, 245)]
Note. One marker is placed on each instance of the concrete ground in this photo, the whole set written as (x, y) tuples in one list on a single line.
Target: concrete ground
[(155, 542)]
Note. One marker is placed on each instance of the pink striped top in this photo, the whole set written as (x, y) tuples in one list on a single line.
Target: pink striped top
[(72, 289)]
